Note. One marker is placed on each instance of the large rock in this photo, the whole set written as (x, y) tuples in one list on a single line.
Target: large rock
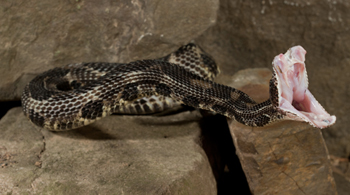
[(36, 36), (251, 33), (116, 155)]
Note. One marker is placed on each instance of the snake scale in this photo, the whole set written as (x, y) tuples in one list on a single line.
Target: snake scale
[(79, 94)]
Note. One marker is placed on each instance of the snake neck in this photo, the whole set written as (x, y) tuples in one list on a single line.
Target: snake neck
[(173, 81), (237, 105)]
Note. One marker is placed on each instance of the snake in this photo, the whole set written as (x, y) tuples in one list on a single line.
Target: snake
[(78, 94)]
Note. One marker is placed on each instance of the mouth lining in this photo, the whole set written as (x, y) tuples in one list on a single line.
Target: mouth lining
[(294, 97)]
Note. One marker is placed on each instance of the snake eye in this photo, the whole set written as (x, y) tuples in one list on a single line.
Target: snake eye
[(326, 121)]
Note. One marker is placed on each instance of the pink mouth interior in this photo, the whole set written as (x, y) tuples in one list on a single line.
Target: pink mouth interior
[(294, 97)]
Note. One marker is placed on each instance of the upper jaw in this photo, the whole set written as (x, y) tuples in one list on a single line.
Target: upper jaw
[(294, 98)]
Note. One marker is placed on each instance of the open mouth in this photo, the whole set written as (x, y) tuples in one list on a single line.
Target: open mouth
[(294, 97)]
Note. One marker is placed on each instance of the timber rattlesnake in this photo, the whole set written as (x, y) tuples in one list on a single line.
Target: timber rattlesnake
[(78, 94)]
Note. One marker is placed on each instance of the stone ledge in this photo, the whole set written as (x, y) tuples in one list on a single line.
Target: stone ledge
[(118, 154)]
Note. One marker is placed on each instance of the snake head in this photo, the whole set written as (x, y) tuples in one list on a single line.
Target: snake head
[(294, 97)]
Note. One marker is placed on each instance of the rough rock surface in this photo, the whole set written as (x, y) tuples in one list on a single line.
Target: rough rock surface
[(116, 155), (36, 35), (283, 158)]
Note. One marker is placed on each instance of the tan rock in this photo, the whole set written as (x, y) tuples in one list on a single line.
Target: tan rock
[(116, 155)]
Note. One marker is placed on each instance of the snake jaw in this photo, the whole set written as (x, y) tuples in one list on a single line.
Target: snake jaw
[(294, 98)]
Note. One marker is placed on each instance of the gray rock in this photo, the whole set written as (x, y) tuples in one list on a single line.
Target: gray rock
[(116, 155), (36, 36)]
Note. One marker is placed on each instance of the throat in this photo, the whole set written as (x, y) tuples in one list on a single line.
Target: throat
[(294, 97)]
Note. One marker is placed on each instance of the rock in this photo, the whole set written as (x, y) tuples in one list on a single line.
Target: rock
[(343, 184), (37, 36), (283, 158), (249, 34), (116, 155)]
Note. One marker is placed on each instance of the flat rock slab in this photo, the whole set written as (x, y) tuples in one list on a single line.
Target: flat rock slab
[(283, 158), (116, 155)]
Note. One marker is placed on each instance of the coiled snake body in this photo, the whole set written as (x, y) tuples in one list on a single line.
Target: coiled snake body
[(78, 94)]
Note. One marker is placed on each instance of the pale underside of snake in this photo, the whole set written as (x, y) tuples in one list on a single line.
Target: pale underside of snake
[(79, 94)]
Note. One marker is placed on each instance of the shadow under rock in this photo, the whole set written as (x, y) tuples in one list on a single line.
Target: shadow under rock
[(176, 116), (6, 106), (166, 120), (87, 132), (218, 146)]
